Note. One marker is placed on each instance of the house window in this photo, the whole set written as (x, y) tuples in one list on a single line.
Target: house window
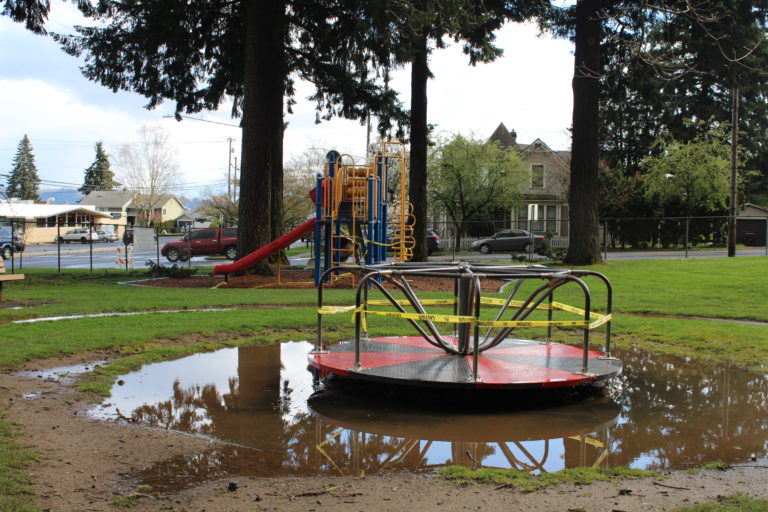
[(552, 219), (546, 215), (164, 212), (537, 176)]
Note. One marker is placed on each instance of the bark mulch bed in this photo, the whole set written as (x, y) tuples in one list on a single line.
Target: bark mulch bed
[(299, 279)]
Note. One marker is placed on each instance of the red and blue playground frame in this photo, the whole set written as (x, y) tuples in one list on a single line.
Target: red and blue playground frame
[(479, 352), (353, 198)]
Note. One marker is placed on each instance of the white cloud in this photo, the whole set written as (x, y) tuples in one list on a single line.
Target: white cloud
[(528, 89)]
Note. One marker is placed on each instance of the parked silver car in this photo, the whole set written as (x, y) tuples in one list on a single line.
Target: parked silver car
[(81, 235), (108, 236)]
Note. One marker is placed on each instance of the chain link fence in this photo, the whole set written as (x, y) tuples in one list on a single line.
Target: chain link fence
[(65, 245), (682, 234), (42, 244)]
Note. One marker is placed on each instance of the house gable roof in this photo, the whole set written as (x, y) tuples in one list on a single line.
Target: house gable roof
[(38, 211), (109, 198)]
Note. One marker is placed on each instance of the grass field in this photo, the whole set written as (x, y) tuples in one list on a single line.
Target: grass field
[(655, 305), (729, 289)]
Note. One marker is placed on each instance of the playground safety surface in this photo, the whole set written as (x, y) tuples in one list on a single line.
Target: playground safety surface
[(297, 279)]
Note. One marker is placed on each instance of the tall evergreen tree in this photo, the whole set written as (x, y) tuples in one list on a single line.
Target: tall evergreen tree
[(34, 13), (98, 175), (200, 53), (23, 182), (418, 26)]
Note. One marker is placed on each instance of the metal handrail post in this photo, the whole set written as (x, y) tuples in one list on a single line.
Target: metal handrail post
[(549, 317), (476, 344)]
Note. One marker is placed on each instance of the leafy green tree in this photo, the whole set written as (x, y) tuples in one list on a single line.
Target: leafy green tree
[(98, 175), (469, 177), (690, 178), (23, 182), (199, 54)]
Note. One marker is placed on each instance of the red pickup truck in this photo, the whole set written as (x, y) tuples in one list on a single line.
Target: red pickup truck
[(199, 242)]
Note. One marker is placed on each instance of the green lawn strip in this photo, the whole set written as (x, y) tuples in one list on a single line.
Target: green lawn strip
[(745, 345), (22, 342), (735, 288), (16, 494), (299, 251), (528, 482), (719, 288), (735, 503), (68, 294)]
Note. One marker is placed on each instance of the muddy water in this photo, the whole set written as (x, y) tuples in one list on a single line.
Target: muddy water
[(663, 413)]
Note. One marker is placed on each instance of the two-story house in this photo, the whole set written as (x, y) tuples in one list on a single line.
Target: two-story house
[(547, 189)]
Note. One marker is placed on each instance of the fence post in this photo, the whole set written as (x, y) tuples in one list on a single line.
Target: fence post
[(90, 244), (13, 247), (687, 224), (605, 239), (766, 236), (157, 244), (58, 244)]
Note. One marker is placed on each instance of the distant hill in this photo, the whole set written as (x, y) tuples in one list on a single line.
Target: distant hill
[(61, 195)]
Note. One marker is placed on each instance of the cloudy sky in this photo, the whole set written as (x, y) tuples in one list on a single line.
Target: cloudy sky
[(44, 96)]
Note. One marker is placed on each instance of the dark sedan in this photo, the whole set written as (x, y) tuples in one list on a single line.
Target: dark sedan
[(510, 240)]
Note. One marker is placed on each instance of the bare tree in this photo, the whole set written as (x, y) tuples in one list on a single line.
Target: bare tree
[(149, 169), (299, 178)]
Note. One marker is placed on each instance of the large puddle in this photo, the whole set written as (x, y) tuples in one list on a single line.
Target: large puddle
[(663, 413)]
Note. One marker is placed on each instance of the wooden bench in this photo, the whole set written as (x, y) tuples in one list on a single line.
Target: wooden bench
[(7, 277)]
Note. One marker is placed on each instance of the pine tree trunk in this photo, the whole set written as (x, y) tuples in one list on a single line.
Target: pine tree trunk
[(417, 183), (584, 246), (264, 82)]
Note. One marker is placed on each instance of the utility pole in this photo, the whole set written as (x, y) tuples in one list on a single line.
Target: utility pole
[(235, 184), (734, 144), (229, 173)]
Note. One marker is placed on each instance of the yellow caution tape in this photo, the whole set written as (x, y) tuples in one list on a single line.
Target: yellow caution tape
[(455, 319), (600, 321), (404, 302), (334, 310), (530, 323)]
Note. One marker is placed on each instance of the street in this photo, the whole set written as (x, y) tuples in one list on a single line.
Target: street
[(102, 255), (105, 255)]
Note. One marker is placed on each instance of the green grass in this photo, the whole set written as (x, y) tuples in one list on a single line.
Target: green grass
[(527, 482), (735, 503), (16, 493), (735, 288)]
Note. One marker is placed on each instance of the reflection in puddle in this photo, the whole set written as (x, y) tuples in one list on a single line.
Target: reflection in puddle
[(669, 413)]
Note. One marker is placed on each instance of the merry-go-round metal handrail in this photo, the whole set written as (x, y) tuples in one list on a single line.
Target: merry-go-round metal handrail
[(467, 301)]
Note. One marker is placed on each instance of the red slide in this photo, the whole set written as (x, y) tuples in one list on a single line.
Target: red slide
[(266, 251)]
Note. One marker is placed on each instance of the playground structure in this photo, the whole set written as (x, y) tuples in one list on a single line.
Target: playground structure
[(353, 214), (353, 211), (478, 353)]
